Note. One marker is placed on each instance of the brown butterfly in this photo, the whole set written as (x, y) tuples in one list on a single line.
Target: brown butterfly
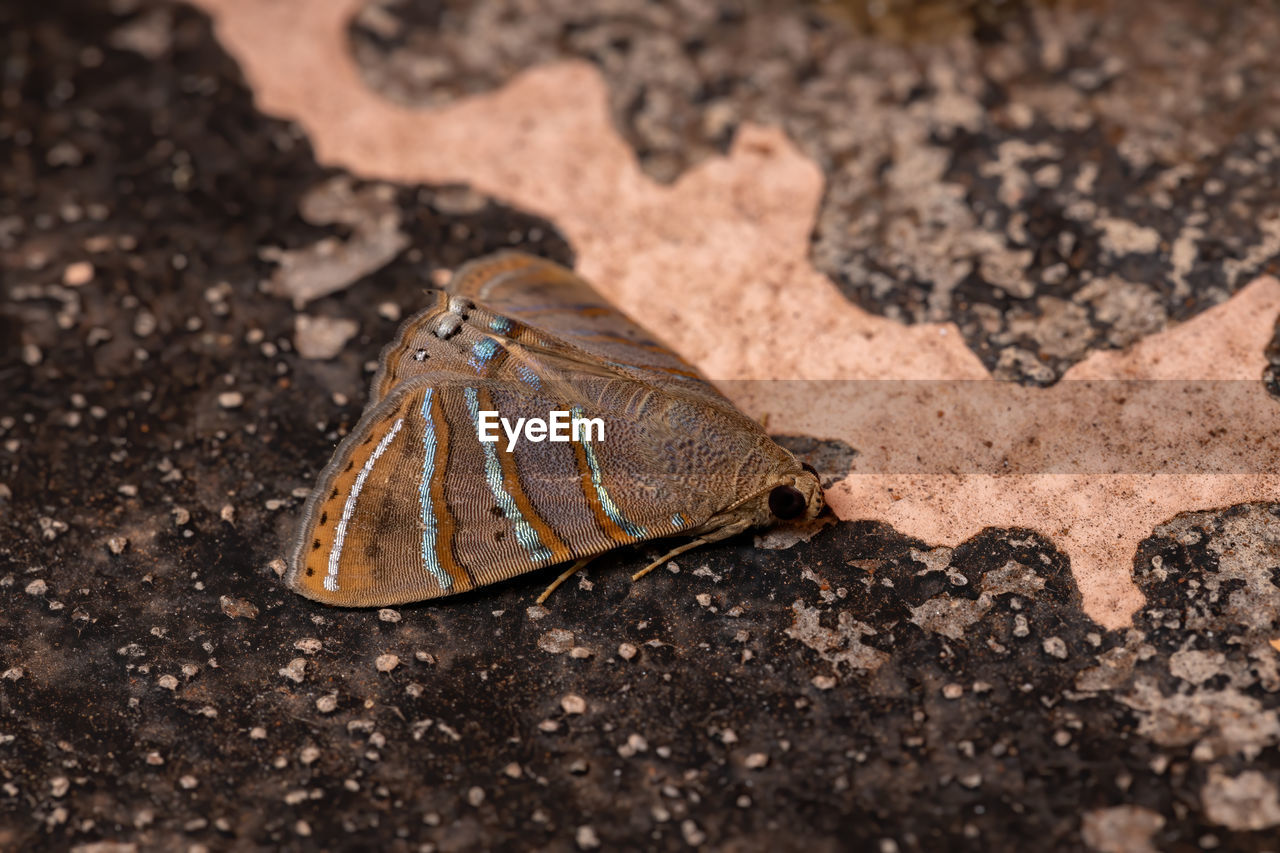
[(414, 505)]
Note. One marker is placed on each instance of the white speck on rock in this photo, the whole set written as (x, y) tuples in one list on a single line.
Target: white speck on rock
[(1248, 802), (322, 338), (1122, 237), (557, 641), (1055, 647), (1121, 829)]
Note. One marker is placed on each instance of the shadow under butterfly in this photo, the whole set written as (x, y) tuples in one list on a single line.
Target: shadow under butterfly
[(414, 505)]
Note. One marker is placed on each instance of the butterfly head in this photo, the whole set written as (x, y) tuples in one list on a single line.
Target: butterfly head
[(791, 495)]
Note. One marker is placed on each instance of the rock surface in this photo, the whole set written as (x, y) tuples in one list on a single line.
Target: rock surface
[(159, 428)]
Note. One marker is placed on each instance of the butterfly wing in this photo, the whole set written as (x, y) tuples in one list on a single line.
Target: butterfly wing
[(414, 506)]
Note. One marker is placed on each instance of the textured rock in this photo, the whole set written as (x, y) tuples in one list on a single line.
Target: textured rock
[(860, 688)]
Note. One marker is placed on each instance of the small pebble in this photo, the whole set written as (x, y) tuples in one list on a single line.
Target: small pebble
[(168, 682), (952, 691), (626, 651), (823, 682), (386, 663), (755, 761), (586, 838), (475, 796), (572, 703), (513, 770), (227, 513), (117, 544), (296, 670), (257, 733), (37, 587), (327, 703), (302, 828), (580, 652), (635, 744), (188, 782), (386, 614), (308, 645), (238, 608), (59, 786), (230, 399), (78, 274)]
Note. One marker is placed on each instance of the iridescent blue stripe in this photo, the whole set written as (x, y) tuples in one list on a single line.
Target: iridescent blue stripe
[(429, 557), (610, 508), (500, 324), (525, 534), (529, 377), (677, 520), (483, 351)]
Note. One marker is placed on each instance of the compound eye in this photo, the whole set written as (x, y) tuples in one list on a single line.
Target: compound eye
[(787, 502)]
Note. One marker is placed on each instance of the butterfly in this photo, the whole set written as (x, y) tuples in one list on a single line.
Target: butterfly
[(414, 505)]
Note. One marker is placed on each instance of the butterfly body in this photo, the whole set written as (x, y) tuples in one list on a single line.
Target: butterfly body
[(414, 505)]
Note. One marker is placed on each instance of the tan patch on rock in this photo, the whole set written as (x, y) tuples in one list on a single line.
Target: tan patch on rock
[(717, 265)]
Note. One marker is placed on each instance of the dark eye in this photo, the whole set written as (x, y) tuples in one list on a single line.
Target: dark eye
[(787, 502)]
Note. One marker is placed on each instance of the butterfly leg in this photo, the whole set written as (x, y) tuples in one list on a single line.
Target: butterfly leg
[(674, 552), (564, 576)]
